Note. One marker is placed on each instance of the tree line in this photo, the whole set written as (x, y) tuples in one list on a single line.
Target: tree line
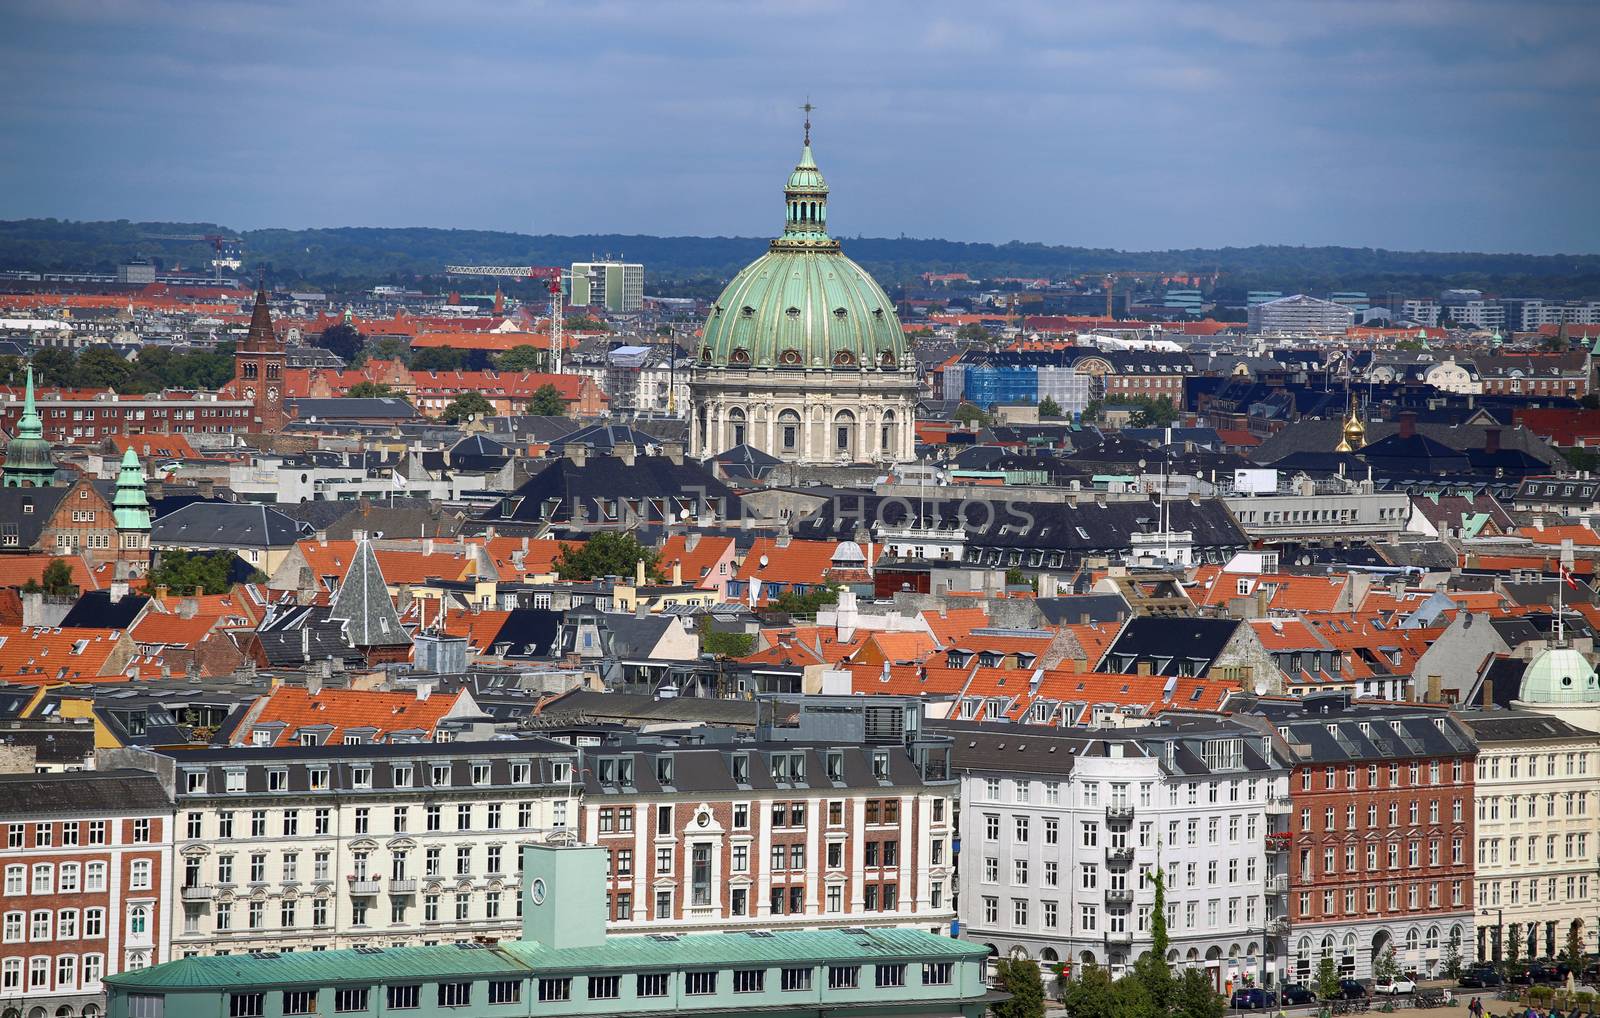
[(101, 367)]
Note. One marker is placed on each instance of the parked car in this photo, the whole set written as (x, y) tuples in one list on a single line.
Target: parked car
[(1253, 997), (1297, 993), (1394, 987), (1351, 989), (1480, 977)]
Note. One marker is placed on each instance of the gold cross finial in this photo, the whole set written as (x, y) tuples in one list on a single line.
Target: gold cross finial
[(808, 108)]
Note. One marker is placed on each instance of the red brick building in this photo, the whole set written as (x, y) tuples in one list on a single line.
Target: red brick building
[(86, 877), (259, 369), (760, 834), (90, 416), (1380, 834)]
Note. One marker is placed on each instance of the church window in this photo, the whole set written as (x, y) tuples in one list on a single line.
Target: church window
[(840, 313), (792, 312), (844, 358), (249, 369)]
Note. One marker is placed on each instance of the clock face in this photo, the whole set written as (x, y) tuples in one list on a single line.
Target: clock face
[(249, 392), (272, 394), (536, 892)]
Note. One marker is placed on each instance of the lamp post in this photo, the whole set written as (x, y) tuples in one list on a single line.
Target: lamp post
[(1499, 928)]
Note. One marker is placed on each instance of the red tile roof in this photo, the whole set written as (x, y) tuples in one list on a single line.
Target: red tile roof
[(344, 709)]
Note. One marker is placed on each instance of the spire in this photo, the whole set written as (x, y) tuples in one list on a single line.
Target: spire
[(131, 508), (806, 199), (29, 463), (362, 603), (261, 336), (30, 424)]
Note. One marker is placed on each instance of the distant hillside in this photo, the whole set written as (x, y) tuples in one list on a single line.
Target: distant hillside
[(358, 256)]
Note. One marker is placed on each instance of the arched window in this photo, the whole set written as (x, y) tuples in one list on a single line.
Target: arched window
[(138, 919), (736, 426), (844, 434), (887, 433), (789, 431)]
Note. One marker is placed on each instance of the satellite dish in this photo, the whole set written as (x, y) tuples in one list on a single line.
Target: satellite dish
[(763, 561)]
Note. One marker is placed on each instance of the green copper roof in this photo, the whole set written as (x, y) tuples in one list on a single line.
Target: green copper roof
[(522, 958), (804, 304), (1560, 675), (131, 508), (29, 462)]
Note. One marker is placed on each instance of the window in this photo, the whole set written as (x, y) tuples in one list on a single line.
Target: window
[(699, 983), (140, 1005), (651, 984), (936, 974), (796, 979), (891, 975), (509, 991), (405, 998), (299, 1001), (246, 1005), (459, 994), (749, 980), (348, 1000), (844, 977)]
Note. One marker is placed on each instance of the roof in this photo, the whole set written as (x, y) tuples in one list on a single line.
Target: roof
[(340, 710), (517, 958), (29, 652), (363, 604), (95, 793), (227, 525)]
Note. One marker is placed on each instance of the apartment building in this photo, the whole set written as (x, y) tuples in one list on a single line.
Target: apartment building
[(1380, 840), (1538, 796), (841, 816), (1062, 832), (87, 878), (322, 847)]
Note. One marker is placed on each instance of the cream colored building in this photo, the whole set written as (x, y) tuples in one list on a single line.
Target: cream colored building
[(1538, 833)]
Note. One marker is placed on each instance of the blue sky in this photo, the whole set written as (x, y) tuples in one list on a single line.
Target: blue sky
[(1133, 124)]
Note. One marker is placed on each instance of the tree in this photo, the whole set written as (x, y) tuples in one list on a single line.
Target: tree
[(1155, 412), (1151, 969), (1452, 959), (1387, 968), (809, 603), (582, 323), (972, 333), (1020, 978), (1327, 979), (1514, 948), (55, 581), (386, 348), (369, 390), (101, 367), (1195, 997), (54, 366), (343, 341), (1090, 995), (524, 357), (464, 406), (547, 402), (1049, 408), (605, 554), (183, 572), (726, 644), (1091, 410), (438, 358), (971, 416), (11, 370), (1574, 954)]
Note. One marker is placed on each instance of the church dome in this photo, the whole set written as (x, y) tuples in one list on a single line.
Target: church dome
[(1560, 675), (803, 304)]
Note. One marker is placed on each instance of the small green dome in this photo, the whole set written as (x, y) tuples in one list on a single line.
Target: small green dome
[(803, 304), (1560, 675)]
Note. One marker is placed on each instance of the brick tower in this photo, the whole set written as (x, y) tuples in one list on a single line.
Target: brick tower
[(258, 367)]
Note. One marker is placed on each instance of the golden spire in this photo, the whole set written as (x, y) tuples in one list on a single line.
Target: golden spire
[(1355, 432)]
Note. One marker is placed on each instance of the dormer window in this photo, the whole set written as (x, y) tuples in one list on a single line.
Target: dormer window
[(664, 769)]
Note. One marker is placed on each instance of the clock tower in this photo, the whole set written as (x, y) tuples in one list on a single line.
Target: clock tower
[(258, 367)]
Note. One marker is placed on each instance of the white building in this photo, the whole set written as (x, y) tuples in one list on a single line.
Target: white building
[(618, 287), (1063, 830), (1299, 315)]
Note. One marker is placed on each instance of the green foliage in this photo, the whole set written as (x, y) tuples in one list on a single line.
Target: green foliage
[(726, 644), (1573, 954), (184, 572), (605, 554), (438, 358), (341, 340), (1452, 960), (464, 406), (809, 603), (12, 370), (525, 357), (971, 416), (385, 348), (582, 323), (1092, 409), (1387, 967), (972, 332), (1091, 994), (100, 367), (1049, 408), (1152, 412), (53, 365), (547, 402), (55, 581), (1195, 997), (1409, 345), (1514, 947), (1020, 978), (1159, 940), (1327, 979), (1581, 459), (369, 390)]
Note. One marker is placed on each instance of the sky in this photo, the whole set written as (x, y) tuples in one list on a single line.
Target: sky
[(1135, 124)]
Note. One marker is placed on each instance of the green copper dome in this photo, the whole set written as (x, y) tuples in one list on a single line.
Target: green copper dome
[(131, 509), (29, 462), (804, 304), (1560, 675)]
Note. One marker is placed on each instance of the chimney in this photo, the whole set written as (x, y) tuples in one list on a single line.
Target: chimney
[(691, 540), (119, 590), (313, 683), (673, 451), (638, 573), (1491, 440), (424, 690), (578, 454), (365, 504), (427, 546), (677, 572), (1488, 693), (188, 608), (161, 592), (782, 540), (626, 453), (207, 487), (1435, 689), (1142, 668), (1408, 424)]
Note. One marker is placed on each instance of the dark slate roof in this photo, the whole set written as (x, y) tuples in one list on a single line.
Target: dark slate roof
[(606, 437), (95, 610), (636, 708), (710, 768), (1362, 731), (298, 634), (1520, 726), (746, 462), (529, 427), (363, 604), (527, 633), (53, 743), (228, 525), (95, 793), (30, 509), (1072, 610), (14, 699), (1323, 435), (345, 408), (602, 481), (1166, 642)]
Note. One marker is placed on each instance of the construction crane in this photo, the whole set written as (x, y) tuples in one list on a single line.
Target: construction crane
[(1111, 287), (218, 242), (554, 275)]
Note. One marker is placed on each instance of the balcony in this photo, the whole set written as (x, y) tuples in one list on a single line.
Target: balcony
[(1278, 883), (1119, 856), (1278, 927), (1122, 938), (365, 886), (198, 892), (402, 887), (1119, 812), (1279, 805), (1119, 896)]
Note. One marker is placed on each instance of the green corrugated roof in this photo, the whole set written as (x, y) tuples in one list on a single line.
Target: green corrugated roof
[(524, 958)]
